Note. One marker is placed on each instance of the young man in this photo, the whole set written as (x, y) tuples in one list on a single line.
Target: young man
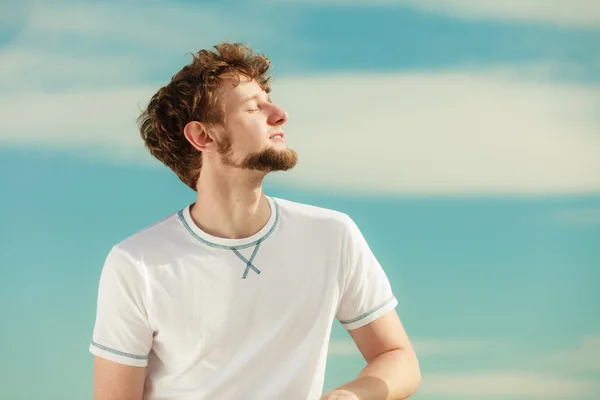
[(234, 296)]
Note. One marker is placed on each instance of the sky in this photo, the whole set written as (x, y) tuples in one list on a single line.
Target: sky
[(463, 137)]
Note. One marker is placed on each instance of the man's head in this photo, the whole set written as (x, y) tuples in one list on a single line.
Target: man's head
[(217, 111)]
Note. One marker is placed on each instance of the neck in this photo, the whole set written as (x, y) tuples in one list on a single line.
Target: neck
[(230, 203)]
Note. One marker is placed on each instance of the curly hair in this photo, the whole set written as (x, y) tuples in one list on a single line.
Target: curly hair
[(193, 95)]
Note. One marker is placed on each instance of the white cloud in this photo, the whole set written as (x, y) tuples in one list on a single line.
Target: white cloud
[(573, 12), (160, 26), (584, 13), (444, 132), (586, 356), (448, 132), (65, 44), (423, 347), (508, 384), (25, 70)]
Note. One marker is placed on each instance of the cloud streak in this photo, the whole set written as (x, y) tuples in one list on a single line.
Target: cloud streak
[(149, 26), (464, 131), (477, 132), (450, 132), (584, 357), (583, 13), (63, 45), (508, 384), (579, 13), (497, 382)]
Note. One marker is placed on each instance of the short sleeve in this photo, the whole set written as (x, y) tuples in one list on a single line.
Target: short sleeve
[(122, 331), (367, 293)]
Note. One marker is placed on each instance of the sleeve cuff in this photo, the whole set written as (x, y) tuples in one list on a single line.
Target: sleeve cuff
[(370, 315), (118, 356)]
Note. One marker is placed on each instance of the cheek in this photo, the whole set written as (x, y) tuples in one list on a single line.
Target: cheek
[(247, 132), (252, 132), (243, 140)]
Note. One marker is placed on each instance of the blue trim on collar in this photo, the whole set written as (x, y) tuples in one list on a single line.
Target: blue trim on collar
[(224, 247)]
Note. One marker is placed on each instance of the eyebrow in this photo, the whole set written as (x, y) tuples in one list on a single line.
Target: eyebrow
[(256, 97)]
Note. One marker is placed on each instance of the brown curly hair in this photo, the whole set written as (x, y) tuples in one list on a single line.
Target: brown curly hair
[(193, 95)]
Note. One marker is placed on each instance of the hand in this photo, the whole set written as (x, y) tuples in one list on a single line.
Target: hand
[(340, 394)]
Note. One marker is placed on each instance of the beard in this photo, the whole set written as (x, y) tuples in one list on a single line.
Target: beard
[(267, 160)]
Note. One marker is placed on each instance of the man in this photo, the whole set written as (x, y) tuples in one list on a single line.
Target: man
[(234, 296)]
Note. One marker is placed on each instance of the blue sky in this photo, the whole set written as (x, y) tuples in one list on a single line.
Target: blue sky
[(463, 137)]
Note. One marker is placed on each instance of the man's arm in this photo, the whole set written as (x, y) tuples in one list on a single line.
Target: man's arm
[(114, 381), (122, 336), (392, 371)]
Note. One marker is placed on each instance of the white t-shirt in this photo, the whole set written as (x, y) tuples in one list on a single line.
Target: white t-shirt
[(221, 319)]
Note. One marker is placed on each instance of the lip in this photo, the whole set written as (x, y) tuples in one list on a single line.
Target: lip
[(278, 133)]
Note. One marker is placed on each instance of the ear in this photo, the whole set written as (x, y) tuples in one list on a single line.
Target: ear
[(199, 136)]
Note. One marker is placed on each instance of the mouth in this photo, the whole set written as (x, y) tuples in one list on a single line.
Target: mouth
[(277, 136)]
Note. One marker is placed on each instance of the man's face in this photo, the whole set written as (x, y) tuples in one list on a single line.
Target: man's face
[(252, 135)]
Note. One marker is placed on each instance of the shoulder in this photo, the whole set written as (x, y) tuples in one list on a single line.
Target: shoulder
[(307, 211), (314, 217), (149, 238)]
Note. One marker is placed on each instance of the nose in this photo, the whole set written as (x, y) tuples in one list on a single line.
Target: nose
[(278, 116)]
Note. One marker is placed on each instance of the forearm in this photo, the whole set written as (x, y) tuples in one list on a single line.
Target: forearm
[(394, 375)]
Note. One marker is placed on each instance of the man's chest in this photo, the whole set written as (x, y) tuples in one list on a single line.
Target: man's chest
[(205, 301)]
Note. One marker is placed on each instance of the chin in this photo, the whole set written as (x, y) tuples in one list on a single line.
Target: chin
[(277, 145), (271, 159)]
